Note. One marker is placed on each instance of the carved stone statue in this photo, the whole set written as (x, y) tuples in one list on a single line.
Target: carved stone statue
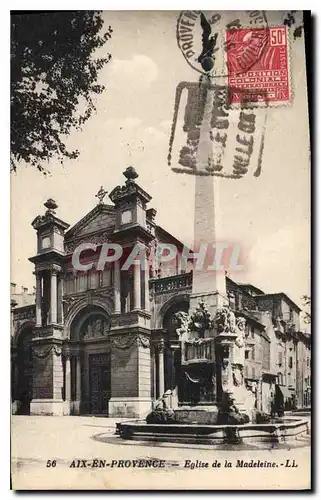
[(239, 349), (97, 327), (201, 319), (181, 319), (225, 320), (237, 377), (162, 403)]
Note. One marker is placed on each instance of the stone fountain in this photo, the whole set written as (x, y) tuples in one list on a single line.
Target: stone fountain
[(212, 351), (212, 358), (211, 336)]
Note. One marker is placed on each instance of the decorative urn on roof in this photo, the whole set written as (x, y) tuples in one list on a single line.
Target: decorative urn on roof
[(130, 174), (51, 206)]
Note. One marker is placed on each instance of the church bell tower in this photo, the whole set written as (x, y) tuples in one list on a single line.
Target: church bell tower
[(48, 262)]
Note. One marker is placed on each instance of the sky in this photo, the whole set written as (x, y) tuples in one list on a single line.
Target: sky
[(268, 216)]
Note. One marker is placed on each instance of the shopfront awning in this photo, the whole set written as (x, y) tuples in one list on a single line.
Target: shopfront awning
[(285, 391)]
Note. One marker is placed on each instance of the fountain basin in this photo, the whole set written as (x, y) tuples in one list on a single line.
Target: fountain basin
[(281, 431), (204, 415)]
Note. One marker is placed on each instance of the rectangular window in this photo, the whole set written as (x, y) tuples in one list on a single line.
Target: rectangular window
[(82, 282), (246, 354), (253, 352), (127, 291), (92, 279), (290, 362), (280, 358), (76, 283), (106, 276)]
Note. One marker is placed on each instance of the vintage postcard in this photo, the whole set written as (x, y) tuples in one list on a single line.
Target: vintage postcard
[(160, 242)]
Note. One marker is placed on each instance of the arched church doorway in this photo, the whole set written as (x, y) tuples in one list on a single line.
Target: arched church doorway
[(25, 369), (89, 363)]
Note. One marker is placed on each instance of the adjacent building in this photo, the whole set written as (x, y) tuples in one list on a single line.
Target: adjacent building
[(103, 340)]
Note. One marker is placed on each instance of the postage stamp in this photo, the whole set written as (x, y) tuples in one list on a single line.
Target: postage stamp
[(257, 61)]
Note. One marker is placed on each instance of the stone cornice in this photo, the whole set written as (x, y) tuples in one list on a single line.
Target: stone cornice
[(125, 341), (43, 351), (23, 312), (48, 220), (96, 237), (54, 256), (129, 330), (131, 189), (131, 230)]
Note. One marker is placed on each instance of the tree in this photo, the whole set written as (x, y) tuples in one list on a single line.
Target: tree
[(307, 303), (53, 81)]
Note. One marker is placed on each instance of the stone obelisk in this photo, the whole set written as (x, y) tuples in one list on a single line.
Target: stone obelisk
[(208, 285)]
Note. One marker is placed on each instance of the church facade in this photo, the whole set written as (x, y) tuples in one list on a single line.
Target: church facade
[(102, 340)]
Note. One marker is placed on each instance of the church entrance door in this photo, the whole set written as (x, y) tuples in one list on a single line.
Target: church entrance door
[(99, 382)]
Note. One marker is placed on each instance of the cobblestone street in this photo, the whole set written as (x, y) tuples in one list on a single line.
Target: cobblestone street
[(38, 440)]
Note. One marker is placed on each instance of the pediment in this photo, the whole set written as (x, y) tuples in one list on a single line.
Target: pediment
[(100, 218)]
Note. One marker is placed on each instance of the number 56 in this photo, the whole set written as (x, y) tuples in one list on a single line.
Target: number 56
[(51, 463)]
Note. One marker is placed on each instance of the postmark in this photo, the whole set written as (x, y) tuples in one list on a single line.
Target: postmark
[(244, 62), (202, 41), (219, 140), (258, 67)]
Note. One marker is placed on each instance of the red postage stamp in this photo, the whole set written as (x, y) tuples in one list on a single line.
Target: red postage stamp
[(257, 61)]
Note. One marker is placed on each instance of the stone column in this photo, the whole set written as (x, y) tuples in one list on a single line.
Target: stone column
[(137, 296), (38, 299), (16, 378), (53, 297), (68, 379), (78, 385), (161, 371), (147, 302), (153, 356), (117, 286), (78, 379), (60, 318), (207, 228)]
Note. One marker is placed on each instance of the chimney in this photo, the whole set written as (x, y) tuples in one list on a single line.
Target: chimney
[(12, 288)]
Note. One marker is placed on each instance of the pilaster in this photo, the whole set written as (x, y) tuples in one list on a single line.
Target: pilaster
[(130, 375), (47, 387)]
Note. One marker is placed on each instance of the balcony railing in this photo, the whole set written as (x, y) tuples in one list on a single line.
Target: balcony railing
[(198, 351), (172, 283)]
